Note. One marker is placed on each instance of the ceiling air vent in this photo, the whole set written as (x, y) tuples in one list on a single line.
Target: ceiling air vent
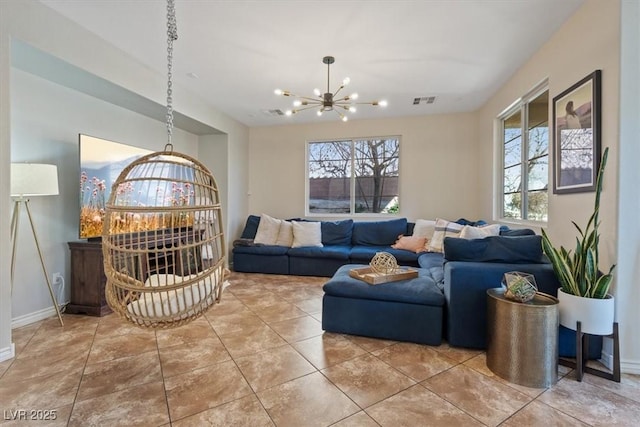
[(424, 100), (273, 113)]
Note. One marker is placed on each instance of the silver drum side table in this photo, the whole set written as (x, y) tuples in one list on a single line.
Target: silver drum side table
[(522, 344)]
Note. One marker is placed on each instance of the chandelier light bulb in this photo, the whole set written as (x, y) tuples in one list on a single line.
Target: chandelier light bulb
[(327, 100)]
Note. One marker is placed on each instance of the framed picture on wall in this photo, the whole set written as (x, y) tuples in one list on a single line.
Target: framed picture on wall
[(576, 136)]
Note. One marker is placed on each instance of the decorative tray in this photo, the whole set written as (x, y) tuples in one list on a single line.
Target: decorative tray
[(366, 274)]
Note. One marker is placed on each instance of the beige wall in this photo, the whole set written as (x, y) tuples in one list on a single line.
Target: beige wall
[(448, 161), (589, 40), (438, 164)]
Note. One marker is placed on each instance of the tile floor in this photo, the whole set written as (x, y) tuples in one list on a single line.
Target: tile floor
[(260, 358)]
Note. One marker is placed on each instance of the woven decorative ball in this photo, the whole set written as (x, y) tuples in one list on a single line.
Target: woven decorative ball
[(520, 286), (383, 263)]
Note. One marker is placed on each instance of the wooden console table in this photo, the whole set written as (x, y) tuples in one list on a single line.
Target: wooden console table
[(87, 279), (87, 267)]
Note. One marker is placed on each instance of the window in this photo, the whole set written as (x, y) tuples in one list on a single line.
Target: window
[(525, 157), (353, 176)]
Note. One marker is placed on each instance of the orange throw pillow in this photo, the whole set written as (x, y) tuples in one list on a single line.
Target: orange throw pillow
[(411, 243)]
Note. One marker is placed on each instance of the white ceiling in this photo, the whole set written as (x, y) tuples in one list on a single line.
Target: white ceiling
[(461, 51)]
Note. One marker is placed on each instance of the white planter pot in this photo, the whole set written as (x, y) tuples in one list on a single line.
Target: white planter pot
[(595, 315)]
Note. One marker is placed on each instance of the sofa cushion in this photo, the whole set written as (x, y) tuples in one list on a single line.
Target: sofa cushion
[(365, 253), (333, 252), (514, 250), (260, 250), (506, 231), (378, 233), (443, 229), (306, 234), (432, 262), (250, 227), (337, 232)]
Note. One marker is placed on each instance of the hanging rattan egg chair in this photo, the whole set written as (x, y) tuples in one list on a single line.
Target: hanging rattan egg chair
[(163, 242)]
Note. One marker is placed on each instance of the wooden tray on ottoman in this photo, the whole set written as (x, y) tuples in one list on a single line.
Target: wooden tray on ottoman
[(366, 274)]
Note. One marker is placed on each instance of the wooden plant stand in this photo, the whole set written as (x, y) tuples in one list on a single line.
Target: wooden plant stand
[(580, 362)]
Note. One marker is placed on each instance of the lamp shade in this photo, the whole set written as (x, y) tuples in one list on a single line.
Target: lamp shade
[(34, 179)]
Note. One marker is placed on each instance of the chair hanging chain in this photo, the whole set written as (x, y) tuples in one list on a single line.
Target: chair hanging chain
[(172, 35)]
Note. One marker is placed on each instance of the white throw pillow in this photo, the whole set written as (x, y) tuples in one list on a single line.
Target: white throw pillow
[(306, 234), (469, 232), (285, 235), (268, 230), (444, 229), (424, 228)]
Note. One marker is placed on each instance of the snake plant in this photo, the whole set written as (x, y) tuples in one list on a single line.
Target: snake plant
[(577, 270)]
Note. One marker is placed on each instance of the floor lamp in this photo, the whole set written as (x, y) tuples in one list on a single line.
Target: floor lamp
[(30, 180)]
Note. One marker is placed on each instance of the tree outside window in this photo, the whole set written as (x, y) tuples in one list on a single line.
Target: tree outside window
[(353, 176), (525, 177)]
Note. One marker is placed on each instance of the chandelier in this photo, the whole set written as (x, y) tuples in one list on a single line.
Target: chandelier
[(327, 101)]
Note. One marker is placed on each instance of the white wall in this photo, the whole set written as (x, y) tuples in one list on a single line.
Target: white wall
[(214, 153), (438, 164), (628, 270), (45, 121)]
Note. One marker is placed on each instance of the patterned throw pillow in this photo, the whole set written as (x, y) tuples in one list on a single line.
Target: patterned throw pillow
[(443, 229)]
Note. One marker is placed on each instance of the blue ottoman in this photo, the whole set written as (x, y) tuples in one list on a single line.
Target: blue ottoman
[(407, 310)]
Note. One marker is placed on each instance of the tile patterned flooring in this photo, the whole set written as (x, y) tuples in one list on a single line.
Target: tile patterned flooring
[(260, 358)]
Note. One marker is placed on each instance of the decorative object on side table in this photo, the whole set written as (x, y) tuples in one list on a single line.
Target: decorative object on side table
[(585, 303), (521, 287)]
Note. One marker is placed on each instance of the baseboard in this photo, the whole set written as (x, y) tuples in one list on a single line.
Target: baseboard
[(606, 358), (7, 352), (30, 318), (630, 367)]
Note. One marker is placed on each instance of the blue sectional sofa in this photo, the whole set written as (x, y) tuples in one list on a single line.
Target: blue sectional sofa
[(464, 272), (344, 242)]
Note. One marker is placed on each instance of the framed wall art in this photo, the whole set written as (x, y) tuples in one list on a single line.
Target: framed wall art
[(576, 136)]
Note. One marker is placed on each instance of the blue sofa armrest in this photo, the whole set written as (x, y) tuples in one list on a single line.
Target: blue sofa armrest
[(465, 291)]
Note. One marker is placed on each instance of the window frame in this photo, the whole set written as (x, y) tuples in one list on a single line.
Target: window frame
[(520, 105), (352, 179)]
